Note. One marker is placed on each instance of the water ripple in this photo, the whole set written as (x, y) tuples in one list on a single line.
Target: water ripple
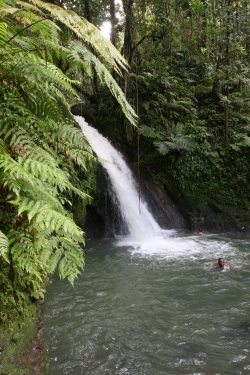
[(136, 311)]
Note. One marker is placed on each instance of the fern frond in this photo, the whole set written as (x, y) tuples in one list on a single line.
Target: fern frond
[(37, 70), (45, 216), (175, 143), (23, 253), (147, 131), (176, 140), (44, 168), (3, 33), (105, 76), (36, 288), (42, 237), (74, 136), (3, 149), (162, 147), (19, 139), (48, 217), (57, 93), (86, 31), (46, 172), (29, 6), (14, 169), (44, 192), (73, 255), (24, 44), (117, 92), (47, 247), (79, 157), (54, 259), (43, 106), (13, 185), (4, 9), (4, 246)]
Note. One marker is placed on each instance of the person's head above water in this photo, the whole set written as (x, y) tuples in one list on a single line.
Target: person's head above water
[(221, 262)]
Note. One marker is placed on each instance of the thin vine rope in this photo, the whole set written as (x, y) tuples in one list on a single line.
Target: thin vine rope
[(138, 133)]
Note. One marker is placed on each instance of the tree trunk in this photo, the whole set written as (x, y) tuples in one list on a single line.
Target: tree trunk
[(226, 125), (94, 80), (87, 10), (113, 22), (168, 16), (128, 41), (227, 68)]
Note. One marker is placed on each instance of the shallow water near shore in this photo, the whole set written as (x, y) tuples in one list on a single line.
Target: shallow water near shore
[(153, 308)]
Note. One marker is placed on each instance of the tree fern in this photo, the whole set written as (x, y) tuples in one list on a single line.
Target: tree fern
[(86, 31), (46, 163), (81, 27), (105, 77)]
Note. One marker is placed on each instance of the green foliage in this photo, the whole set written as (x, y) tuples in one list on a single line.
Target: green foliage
[(47, 169), (4, 246), (16, 336), (189, 80)]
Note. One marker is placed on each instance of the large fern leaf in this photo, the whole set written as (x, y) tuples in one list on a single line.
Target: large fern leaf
[(86, 31)]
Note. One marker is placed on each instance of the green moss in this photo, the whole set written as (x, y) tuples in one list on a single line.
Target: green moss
[(18, 339)]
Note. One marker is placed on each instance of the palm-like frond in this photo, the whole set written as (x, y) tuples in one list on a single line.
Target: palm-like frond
[(86, 31), (43, 47), (45, 160), (105, 77)]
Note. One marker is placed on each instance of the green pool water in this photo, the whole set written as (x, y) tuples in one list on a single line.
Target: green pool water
[(153, 308)]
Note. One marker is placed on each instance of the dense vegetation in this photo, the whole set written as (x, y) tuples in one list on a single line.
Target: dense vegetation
[(46, 165), (189, 83)]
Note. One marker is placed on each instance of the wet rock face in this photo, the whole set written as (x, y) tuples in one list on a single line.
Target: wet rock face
[(103, 218), (225, 219), (108, 206), (164, 211), (170, 211), (214, 217)]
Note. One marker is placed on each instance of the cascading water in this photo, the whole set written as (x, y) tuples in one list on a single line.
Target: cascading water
[(145, 235), (140, 222)]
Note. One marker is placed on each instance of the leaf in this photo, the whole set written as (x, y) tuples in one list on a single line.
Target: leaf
[(4, 246)]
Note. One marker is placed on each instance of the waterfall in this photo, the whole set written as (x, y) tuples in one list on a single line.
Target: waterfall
[(141, 224)]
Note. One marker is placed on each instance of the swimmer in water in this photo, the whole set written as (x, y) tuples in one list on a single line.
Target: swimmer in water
[(200, 232), (221, 264)]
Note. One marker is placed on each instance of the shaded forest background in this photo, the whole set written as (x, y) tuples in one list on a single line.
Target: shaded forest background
[(189, 84), (182, 76)]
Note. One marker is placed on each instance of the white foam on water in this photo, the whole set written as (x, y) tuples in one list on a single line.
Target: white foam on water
[(171, 244)]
